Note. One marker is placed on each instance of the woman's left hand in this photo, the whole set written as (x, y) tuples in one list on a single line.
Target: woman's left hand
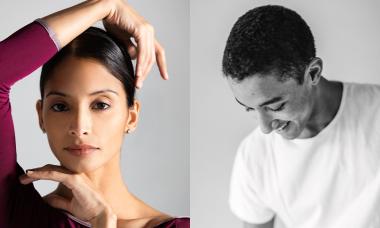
[(125, 23), (86, 202)]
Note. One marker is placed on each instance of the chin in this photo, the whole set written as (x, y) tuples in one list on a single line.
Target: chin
[(291, 133), (289, 137), (80, 166)]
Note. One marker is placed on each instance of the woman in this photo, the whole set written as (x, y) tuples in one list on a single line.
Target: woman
[(86, 106)]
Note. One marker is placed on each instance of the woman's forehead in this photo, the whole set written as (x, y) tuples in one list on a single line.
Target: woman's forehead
[(83, 75)]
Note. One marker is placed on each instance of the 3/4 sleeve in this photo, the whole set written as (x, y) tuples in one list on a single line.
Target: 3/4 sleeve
[(20, 54), (176, 223), (245, 199)]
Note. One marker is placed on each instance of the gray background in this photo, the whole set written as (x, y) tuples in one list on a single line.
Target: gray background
[(155, 158), (347, 39)]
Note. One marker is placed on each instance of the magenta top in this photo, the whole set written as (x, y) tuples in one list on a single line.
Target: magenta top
[(21, 205)]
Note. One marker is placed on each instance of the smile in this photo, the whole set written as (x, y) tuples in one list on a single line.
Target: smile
[(282, 127)]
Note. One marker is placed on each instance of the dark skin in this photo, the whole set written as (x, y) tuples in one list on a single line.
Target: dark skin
[(293, 110)]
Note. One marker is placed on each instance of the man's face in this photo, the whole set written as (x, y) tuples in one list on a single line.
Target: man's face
[(284, 107)]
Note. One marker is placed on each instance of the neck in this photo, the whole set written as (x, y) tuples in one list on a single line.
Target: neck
[(326, 102), (109, 182)]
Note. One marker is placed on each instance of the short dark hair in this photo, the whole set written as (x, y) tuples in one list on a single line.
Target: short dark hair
[(266, 39), (95, 43)]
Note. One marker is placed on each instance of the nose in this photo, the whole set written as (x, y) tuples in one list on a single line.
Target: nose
[(80, 124), (265, 122)]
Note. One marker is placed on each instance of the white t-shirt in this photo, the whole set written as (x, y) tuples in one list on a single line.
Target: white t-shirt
[(331, 180)]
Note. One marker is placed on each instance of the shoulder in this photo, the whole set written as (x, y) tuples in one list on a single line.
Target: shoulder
[(363, 99), (253, 160), (255, 147), (362, 93)]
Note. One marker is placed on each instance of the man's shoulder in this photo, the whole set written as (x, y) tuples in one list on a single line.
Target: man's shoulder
[(361, 89), (255, 145), (362, 96)]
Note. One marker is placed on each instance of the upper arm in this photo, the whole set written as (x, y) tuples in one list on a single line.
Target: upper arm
[(269, 224), (248, 192), (22, 53)]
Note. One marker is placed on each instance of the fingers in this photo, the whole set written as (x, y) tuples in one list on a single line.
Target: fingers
[(161, 60), (146, 60), (145, 54), (132, 49), (125, 24), (123, 37), (50, 172), (86, 201)]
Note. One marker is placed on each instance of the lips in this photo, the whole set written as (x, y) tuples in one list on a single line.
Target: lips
[(283, 126), (81, 149)]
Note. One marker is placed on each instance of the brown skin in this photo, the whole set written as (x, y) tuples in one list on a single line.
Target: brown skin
[(305, 109), (100, 120), (84, 198), (121, 20)]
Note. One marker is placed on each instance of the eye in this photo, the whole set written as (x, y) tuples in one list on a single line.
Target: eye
[(248, 109), (281, 107), (59, 107), (101, 106)]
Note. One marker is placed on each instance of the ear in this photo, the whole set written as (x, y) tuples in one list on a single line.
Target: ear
[(39, 112), (314, 71), (133, 117)]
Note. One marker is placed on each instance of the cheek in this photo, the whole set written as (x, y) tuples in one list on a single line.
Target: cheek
[(300, 110), (55, 127), (296, 110), (109, 129)]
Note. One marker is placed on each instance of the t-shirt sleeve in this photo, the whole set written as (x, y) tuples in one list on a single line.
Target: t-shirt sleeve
[(20, 54), (245, 199)]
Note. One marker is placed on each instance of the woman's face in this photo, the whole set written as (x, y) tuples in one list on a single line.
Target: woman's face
[(85, 114)]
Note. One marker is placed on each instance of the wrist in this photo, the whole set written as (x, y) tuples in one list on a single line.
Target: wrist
[(105, 219), (110, 7)]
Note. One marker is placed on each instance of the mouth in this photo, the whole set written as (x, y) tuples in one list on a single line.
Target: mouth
[(81, 149), (283, 126)]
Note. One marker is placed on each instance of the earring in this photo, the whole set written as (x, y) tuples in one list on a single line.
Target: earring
[(128, 131)]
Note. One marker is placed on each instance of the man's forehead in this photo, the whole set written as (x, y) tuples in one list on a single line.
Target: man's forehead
[(255, 91), (265, 85)]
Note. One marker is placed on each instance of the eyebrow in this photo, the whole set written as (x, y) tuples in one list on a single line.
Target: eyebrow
[(271, 101), (57, 93)]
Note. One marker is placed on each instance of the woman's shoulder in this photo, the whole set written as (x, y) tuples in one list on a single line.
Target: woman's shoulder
[(176, 223)]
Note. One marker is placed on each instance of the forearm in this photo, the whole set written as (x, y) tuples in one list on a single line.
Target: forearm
[(69, 23)]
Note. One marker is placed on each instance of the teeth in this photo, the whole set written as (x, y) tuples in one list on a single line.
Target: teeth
[(283, 126)]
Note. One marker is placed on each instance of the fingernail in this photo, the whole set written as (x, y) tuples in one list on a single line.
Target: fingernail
[(29, 172)]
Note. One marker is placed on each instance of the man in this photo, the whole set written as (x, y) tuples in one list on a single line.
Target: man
[(314, 159)]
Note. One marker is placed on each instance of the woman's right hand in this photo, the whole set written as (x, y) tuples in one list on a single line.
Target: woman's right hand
[(125, 23), (86, 202)]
